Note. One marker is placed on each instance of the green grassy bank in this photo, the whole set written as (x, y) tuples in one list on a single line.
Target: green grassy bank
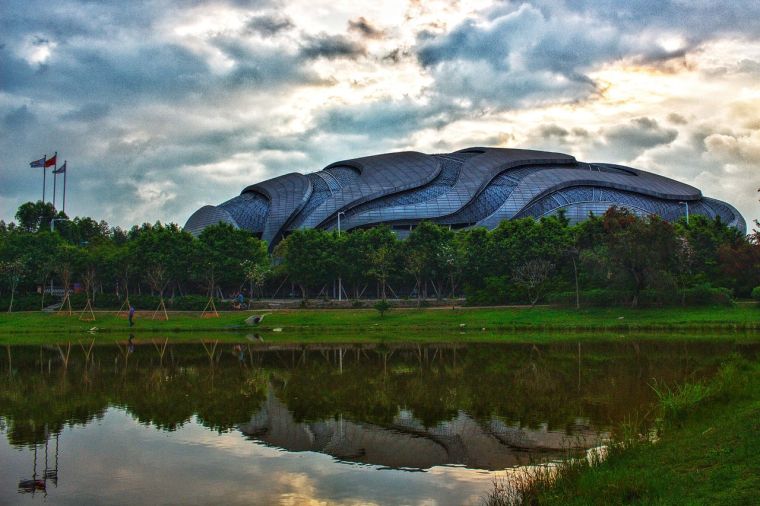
[(708, 452), (348, 325)]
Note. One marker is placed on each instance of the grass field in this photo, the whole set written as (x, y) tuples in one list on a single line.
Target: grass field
[(708, 453), (334, 325)]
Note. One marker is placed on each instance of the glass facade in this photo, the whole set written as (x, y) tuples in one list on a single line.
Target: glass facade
[(471, 187)]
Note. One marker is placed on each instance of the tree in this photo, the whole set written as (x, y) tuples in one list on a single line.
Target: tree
[(382, 307), (308, 257), (383, 255), (532, 275), (35, 216), (640, 250), (13, 271), (426, 258), (165, 250), (225, 249), (256, 273)]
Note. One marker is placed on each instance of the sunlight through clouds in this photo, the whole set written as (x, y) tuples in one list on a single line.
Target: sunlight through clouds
[(233, 92)]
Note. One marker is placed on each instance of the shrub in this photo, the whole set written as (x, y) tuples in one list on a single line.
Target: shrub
[(706, 294), (597, 297), (382, 306), (29, 302), (756, 294), (192, 303)]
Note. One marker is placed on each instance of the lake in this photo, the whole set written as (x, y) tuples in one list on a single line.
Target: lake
[(208, 423)]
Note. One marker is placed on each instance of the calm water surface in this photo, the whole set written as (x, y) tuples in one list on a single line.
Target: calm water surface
[(368, 424)]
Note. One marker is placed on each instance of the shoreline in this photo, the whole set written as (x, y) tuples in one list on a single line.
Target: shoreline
[(420, 325)]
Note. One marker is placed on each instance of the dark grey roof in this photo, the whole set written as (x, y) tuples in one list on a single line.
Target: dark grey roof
[(474, 186)]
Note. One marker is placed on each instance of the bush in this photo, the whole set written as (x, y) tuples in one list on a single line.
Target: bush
[(29, 302), (756, 294), (192, 303), (597, 297), (706, 294), (382, 306), (699, 295)]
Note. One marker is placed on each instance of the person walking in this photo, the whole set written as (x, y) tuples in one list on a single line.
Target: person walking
[(131, 315)]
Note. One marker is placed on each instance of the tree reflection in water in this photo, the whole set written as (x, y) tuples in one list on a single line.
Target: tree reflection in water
[(485, 406)]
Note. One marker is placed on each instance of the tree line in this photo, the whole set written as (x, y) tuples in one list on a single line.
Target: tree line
[(613, 259)]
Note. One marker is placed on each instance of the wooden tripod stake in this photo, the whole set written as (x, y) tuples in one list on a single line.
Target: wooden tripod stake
[(210, 310), (83, 316), (66, 302), (162, 308), (124, 308)]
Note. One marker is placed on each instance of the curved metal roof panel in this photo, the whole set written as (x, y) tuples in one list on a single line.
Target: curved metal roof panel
[(478, 185), (380, 175), (476, 173), (542, 182), (287, 195)]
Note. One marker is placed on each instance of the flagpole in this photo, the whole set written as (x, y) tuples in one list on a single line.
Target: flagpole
[(55, 178), (64, 187), (43, 179)]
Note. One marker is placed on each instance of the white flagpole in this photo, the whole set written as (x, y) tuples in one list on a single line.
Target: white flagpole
[(43, 178), (64, 186), (55, 178)]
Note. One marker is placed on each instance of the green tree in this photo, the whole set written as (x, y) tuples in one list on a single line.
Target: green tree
[(426, 252), (383, 250), (308, 258), (13, 271), (225, 249), (35, 216), (640, 250)]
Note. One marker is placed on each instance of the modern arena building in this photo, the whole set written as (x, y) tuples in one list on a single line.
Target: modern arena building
[(467, 188)]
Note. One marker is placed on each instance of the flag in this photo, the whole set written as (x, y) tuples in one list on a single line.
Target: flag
[(61, 169), (51, 161), (38, 163)]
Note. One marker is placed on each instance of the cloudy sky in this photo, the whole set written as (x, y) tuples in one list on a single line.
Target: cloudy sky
[(166, 105)]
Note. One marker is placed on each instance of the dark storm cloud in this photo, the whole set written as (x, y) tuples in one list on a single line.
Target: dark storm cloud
[(331, 46), (545, 50), (365, 28), (677, 119), (627, 141), (256, 65), (88, 112), (641, 133), (387, 118), (18, 120), (270, 24), (548, 131)]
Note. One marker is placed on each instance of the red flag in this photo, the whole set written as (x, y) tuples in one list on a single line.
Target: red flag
[(51, 161)]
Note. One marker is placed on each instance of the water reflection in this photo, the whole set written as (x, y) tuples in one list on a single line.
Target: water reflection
[(402, 407)]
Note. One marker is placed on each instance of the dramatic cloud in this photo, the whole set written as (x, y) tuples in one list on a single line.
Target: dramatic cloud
[(161, 107), (365, 28), (270, 24), (331, 46)]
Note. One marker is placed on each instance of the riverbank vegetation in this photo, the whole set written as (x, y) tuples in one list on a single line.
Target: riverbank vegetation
[(616, 259), (705, 450), (356, 325)]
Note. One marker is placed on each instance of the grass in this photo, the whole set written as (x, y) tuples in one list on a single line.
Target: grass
[(707, 452), (360, 321)]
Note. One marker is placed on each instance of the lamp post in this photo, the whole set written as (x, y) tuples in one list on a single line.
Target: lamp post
[(683, 202), (340, 280)]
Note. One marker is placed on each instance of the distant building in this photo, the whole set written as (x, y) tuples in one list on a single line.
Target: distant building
[(471, 187)]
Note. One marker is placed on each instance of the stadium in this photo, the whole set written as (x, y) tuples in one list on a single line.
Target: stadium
[(467, 188)]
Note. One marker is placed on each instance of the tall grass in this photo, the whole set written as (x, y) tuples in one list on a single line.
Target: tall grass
[(554, 481), (525, 485)]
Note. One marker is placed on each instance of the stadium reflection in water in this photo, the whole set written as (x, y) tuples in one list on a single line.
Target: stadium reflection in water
[(248, 423)]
